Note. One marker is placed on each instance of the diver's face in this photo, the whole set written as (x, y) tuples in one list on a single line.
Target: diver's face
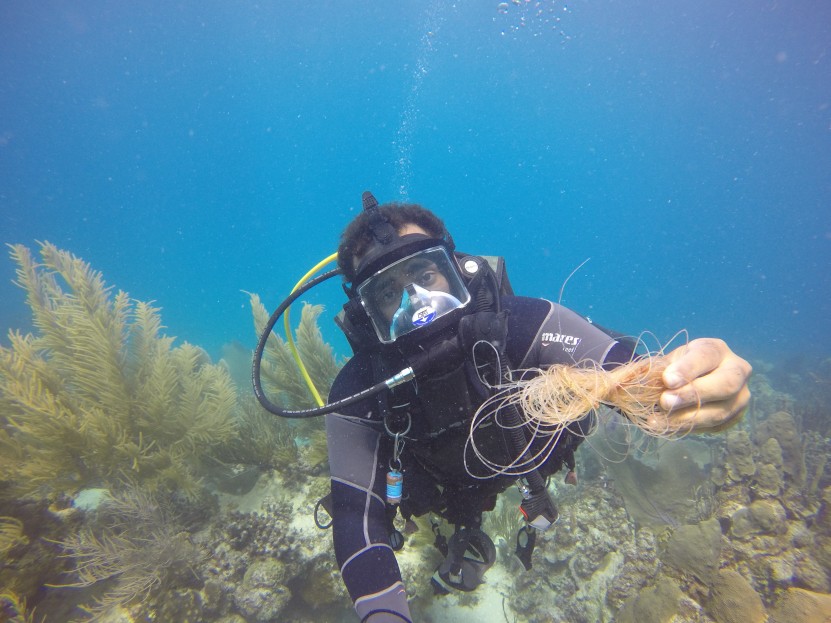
[(420, 271)]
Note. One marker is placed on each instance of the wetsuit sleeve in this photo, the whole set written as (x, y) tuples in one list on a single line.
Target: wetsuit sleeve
[(357, 463), (564, 337)]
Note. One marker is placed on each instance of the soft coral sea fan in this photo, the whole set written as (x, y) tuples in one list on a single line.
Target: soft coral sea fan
[(284, 383), (97, 396), (135, 546)]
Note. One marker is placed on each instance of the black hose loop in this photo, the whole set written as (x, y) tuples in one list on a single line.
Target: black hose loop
[(258, 357)]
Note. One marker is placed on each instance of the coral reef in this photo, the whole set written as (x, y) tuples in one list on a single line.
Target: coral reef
[(262, 595), (30, 560), (577, 561), (739, 456), (733, 600), (271, 562), (135, 547), (783, 428), (660, 602), (641, 565), (736, 528), (803, 606), (264, 440), (773, 535), (695, 549), (804, 388), (728, 528), (99, 401), (316, 453), (98, 397), (272, 442)]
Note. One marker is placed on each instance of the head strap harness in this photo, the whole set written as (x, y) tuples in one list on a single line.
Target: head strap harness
[(382, 230)]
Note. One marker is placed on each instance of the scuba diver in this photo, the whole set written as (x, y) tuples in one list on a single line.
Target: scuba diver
[(435, 333)]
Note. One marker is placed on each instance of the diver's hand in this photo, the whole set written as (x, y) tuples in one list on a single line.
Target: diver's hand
[(706, 386)]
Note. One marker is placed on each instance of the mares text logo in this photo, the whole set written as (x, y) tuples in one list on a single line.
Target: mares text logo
[(569, 342)]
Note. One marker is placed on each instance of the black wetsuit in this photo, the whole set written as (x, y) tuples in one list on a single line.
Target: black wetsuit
[(540, 334)]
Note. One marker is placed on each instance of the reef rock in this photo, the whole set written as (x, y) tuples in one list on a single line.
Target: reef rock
[(771, 453), (576, 562), (588, 603), (739, 460), (810, 574), (262, 596), (823, 521), (182, 606), (768, 480), (782, 427), (640, 566), (761, 517), (322, 585), (733, 600), (802, 606), (655, 604), (695, 549)]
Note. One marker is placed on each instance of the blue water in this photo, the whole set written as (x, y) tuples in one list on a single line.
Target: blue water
[(195, 150)]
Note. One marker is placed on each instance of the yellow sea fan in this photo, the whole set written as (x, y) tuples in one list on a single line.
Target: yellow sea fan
[(139, 547), (97, 396)]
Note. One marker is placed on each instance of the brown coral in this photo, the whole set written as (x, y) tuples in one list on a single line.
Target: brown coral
[(733, 600), (695, 549), (803, 606), (783, 427)]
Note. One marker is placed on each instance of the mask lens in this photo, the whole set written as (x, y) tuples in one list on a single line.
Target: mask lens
[(412, 293)]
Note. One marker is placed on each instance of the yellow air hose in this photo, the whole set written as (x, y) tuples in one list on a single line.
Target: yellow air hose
[(287, 326)]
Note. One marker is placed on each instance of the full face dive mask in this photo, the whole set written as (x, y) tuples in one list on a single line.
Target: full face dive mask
[(412, 293)]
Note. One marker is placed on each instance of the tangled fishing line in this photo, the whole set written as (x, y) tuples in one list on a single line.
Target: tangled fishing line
[(558, 399)]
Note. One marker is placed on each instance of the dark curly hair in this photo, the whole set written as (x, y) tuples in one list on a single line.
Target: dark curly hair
[(357, 237)]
